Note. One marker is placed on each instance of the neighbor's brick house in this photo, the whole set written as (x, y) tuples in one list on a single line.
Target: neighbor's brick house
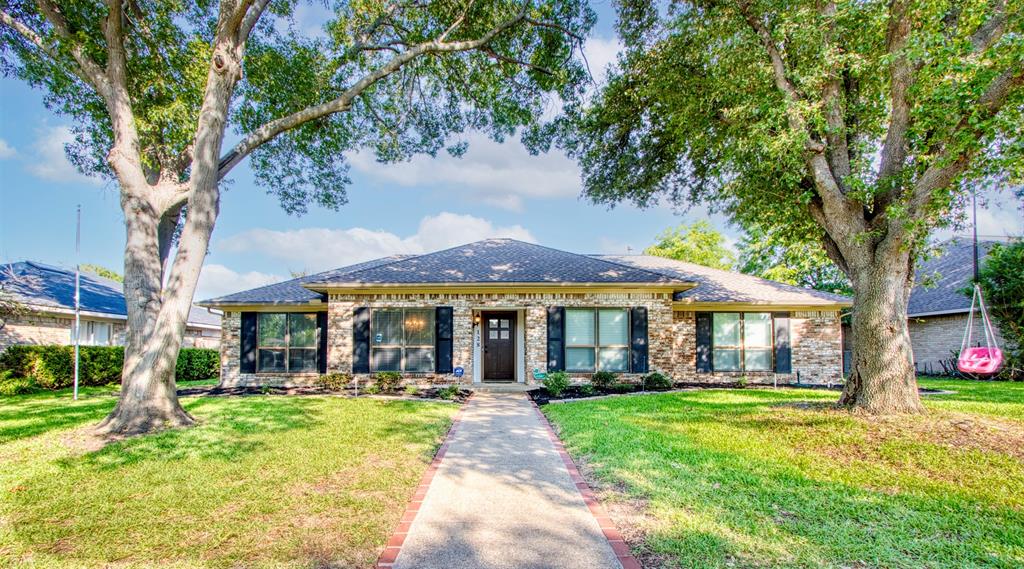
[(45, 297), (939, 306), (502, 310)]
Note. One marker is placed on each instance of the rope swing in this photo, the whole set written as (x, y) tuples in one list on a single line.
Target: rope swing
[(979, 360)]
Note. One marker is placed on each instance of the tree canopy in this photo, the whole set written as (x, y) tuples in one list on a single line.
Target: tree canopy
[(698, 243), (407, 76), (774, 254), (857, 122)]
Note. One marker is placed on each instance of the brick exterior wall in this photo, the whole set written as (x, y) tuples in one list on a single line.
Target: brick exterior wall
[(340, 309), (38, 328), (936, 338), (816, 337), (816, 343)]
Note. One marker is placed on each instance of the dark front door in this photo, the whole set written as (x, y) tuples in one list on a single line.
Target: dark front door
[(499, 346)]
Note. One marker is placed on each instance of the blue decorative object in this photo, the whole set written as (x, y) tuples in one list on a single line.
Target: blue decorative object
[(459, 372), (378, 338)]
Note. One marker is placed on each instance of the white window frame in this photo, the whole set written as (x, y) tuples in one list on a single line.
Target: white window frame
[(742, 347), (597, 345), (403, 345), (287, 347)]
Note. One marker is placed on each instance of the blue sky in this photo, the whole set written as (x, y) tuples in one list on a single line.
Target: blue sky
[(423, 205)]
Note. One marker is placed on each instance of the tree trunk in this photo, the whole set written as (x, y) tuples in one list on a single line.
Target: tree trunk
[(882, 378), (148, 399), (158, 307)]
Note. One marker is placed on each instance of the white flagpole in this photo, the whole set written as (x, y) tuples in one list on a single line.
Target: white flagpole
[(78, 266)]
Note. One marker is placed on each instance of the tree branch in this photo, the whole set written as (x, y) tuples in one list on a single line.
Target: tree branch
[(838, 148), (951, 161), (91, 72), (990, 30), (32, 37), (894, 149), (268, 131), (252, 16)]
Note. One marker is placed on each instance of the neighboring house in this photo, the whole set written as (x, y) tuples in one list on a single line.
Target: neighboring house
[(938, 307), (501, 310), (46, 297)]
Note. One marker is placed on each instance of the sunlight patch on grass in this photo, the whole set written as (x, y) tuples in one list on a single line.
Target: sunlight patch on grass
[(259, 482), (760, 478)]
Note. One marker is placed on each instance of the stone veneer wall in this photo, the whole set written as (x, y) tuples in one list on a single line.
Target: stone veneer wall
[(816, 337), (230, 354), (816, 341), (340, 309)]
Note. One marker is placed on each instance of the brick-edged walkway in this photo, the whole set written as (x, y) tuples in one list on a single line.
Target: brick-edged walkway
[(502, 493)]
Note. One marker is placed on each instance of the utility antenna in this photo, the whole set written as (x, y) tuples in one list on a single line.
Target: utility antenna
[(78, 303)]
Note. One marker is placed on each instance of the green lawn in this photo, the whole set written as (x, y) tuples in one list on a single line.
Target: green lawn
[(776, 478), (260, 482)]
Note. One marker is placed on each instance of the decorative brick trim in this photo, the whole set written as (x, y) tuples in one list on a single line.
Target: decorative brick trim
[(393, 547), (611, 533)]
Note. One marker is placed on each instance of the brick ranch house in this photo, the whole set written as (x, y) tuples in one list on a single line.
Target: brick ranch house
[(501, 310), (45, 296)]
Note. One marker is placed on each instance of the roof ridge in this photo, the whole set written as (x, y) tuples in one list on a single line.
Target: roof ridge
[(617, 263), (563, 251), (394, 259)]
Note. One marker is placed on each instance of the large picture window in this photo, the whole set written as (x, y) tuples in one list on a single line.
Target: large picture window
[(597, 339), (742, 341), (402, 339), (286, 342)]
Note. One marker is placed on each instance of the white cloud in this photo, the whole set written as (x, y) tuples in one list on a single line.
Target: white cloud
[(600, 53), (6, 150), (319, 249), (999, 215), (49, 161), (502, 175), (217, 280)]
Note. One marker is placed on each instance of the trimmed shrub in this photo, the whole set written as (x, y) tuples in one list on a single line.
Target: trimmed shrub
[(195, 364), (448, 392), (556, 382), (604, 379), (587, 389), (387, 381), (657, 381), (10, 385), (333, 381), (53, 367), (622, 388)]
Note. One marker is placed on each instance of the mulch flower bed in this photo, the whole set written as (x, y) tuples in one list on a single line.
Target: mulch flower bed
[(543, 397), (427, 393)]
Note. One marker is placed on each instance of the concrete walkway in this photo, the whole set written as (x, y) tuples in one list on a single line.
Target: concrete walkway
[(503, 498)]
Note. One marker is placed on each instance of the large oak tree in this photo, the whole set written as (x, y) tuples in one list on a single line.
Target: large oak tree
[(153, 86), (858, 121)]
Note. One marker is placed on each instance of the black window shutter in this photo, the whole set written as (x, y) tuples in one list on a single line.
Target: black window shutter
[(556, 338), (361, 340), (444, 332), (321, 351), (704, 363), (247, 357), (783, 351), (638, 339)]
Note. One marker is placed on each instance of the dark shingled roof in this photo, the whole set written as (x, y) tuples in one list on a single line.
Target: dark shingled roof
[(938, 281), (45, 285), (292, 291), (717, 285), (496, 261)]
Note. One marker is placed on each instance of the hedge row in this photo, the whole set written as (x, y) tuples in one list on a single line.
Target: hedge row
[(53, 367)]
